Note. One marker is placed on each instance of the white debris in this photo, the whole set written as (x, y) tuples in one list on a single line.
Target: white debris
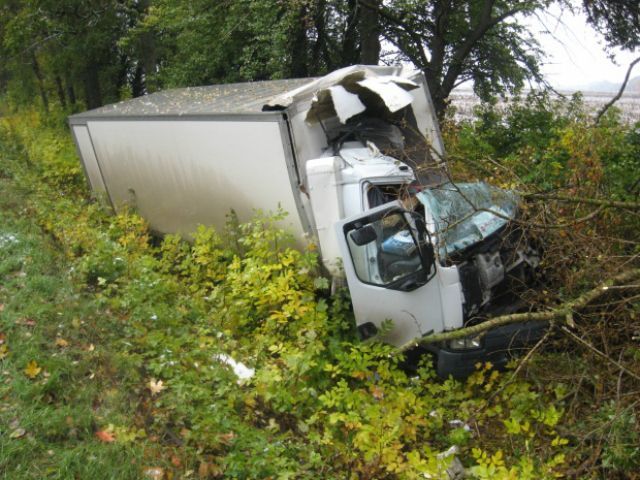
[(452, 450), (456, 470), (7, 239), (240, 369), (460, 424)]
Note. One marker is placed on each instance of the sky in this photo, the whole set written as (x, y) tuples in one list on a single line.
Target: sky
[(576, 58)]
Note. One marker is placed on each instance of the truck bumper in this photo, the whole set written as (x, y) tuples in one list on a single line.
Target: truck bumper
[(498, 347)]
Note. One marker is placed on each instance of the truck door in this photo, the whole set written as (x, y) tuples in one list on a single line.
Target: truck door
[(391, 272)]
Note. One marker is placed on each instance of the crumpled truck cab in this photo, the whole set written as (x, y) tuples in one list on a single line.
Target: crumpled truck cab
[(357, 160)]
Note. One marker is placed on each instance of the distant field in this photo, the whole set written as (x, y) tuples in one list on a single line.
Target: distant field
[(466, 100)]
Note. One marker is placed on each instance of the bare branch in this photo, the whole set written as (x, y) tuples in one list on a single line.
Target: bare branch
[(617, 96), (585, 200), (600, 353)]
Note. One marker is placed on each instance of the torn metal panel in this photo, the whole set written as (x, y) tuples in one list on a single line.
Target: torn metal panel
[(358, 91), (338, 101), (307, 91), (394, 96), (350, 91)]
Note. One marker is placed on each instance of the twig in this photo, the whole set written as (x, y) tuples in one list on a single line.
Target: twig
[(588, 201), (522, 363), (599, 352)]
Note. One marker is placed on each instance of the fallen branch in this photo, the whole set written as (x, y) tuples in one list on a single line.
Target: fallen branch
[(563, 313)]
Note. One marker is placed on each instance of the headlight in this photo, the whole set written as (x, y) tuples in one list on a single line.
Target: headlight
[(466, 343)]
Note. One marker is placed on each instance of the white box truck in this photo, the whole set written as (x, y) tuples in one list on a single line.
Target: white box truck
[(355, 157)]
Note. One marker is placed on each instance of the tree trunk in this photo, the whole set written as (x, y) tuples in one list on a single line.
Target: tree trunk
[(320, 44), (147, 58), (350, 54), (437, 96), (137, 84), (92, 92), (60, 90), (71, 93), (369, 26), (300, 45), (38, 73), (121, 81)]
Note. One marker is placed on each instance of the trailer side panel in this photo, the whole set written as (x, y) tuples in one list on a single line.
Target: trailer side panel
[(179, 174), (89, 161)]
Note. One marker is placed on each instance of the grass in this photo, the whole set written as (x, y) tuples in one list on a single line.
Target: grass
[(78, 355), (48, 423)]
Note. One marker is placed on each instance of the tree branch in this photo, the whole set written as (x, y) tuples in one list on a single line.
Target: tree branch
[(610, 103), (562, 313), (485, 24), (585, 200)]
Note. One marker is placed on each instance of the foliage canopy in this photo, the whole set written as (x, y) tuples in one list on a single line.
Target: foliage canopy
[(103, 51)]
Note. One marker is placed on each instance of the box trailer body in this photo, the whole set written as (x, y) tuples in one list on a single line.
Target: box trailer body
[(322, 150)]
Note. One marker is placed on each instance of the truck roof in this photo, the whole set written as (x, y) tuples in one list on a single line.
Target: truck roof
[(230, 98)]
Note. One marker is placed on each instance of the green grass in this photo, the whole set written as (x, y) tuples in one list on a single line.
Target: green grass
[(79, 387), (97, 346)]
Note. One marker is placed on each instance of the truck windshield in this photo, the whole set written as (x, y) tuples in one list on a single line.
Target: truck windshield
[(462, 213)]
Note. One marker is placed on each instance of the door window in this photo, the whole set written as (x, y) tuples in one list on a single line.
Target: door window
[(385, 252)]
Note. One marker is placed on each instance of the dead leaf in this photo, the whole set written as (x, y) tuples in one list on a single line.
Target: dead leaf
[(1, 307), (32, 370), (175, 461), (156, 386), (17, 433), (3, 338), (155, 473), (377, 393), (105, 436), (90, 348), (207, 469), (27, 322), (61, 342), (203, 470), (227, 437), (4, 351)]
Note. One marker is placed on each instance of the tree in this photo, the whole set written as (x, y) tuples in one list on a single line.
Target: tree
[(454, 41), (201, 42), (69, 44), (107, 48), (617, 20)]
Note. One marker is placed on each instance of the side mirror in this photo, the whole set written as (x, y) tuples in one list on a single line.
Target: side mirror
[(363, 235), (428, 255)]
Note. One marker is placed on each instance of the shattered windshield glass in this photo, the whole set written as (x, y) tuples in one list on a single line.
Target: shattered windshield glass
[(460, 213)]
